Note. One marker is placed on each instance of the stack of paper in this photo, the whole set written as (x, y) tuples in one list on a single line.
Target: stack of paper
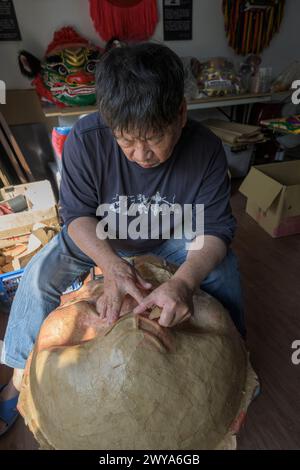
[(233, 133)]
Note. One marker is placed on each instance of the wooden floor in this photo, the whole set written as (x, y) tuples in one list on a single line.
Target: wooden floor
[(271, 279)]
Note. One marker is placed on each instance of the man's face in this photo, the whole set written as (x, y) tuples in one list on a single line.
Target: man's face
[(154, 148)]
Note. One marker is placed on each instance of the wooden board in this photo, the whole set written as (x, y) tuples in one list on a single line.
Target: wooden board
[(15, 147), (12, 157)]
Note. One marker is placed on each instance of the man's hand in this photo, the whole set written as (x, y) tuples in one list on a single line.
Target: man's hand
[(175, 296), (120, 279), (175, 299)]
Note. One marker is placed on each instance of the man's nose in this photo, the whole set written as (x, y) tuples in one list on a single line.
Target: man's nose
[(141, 153)]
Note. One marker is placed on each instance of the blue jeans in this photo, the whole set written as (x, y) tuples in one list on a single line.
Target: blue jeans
[(60, 262)]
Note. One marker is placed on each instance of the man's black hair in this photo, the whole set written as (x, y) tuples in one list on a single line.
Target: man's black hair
[(140, 88)]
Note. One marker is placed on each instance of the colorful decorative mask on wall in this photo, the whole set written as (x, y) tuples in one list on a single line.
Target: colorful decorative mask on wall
[(66, 75)]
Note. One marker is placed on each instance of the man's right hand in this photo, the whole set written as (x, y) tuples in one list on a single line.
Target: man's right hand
[(120, 279)]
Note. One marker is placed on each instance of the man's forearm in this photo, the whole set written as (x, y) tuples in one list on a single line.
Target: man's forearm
[(199, 263), (83, 233)]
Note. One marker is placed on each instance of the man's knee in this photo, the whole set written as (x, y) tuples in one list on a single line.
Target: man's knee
[(173, 251), (224, 284), (41, 269), (224, 272)]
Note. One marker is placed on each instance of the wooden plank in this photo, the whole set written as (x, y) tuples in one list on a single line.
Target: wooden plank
[(14, 145), (12, 157), (4, 176)]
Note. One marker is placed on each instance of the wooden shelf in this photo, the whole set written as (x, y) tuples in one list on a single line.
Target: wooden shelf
[(201, 103)]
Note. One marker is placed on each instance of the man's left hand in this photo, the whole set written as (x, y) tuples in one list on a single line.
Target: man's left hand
[(174, 297)]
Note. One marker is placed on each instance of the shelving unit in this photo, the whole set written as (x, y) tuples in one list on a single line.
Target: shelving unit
[(202, 103)]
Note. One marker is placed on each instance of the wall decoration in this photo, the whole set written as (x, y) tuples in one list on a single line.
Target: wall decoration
[(9, 28), (250, 25), (178, 19), (128, 20), (66, 75)]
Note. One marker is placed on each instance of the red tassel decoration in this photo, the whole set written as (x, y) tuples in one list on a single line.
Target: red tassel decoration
[(128, 20)]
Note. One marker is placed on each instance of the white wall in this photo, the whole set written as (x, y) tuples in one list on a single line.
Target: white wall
[(38, 19)]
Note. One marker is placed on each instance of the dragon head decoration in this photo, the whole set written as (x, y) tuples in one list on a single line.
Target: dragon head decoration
[(66, 75)]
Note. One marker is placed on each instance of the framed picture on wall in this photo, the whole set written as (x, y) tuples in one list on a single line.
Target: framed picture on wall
[(9, 28), (177, 20)]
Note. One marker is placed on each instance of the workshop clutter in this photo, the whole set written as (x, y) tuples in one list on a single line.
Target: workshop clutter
[(285, 79), (273, 193), (212, 77), (41, 207), (238, 141), (29, 223), (288, 124), (234, 133), (217, 77), (220, 77), (16, 252)]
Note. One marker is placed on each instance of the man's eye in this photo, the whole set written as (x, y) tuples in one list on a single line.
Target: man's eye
[(155, 140), (126, 143)]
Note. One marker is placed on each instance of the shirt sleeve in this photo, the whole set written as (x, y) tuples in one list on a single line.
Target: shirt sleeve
[(214, 193), (78, 195)]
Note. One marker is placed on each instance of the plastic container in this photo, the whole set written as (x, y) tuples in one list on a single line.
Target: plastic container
[(9, 283), (262, 80), (238, 160)]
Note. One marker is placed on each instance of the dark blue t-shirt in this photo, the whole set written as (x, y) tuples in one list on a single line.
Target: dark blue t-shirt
[(96, 171)]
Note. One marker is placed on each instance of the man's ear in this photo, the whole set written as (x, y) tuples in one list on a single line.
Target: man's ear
[(29, 65), (183, 112)]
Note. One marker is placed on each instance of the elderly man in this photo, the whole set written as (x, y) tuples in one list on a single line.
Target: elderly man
[(138, 152)]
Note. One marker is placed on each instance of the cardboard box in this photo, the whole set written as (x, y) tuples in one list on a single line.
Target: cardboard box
[(273, 193), (42, 208)]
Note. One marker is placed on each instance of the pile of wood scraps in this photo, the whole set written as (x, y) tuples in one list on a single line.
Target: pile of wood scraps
[(28, 221), (233, 133), (31, 203), (16, 252)]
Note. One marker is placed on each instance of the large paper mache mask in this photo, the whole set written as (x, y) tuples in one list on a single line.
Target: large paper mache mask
[(66, 75), (136, 384)]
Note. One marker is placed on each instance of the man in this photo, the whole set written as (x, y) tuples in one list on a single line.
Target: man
[(140, 148)]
